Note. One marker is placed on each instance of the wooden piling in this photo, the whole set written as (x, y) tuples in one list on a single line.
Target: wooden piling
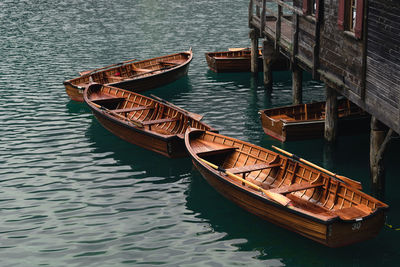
[(297, 85), (380, 137), (268, 53), (253, 34), (331, 115)]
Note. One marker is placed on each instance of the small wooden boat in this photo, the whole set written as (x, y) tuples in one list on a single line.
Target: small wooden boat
[(235, 60), (134, 76), (156, 125), (307, 121), (238, 60), (329, 209)]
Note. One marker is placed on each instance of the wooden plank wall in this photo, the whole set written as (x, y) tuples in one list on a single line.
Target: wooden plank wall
[(340, 52), (306, 41), (382, 93)]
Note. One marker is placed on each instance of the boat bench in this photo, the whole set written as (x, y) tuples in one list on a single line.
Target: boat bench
[(206, 148), (172, 63), (141, 70), (351, 213), (125, 110), (294, 187), (282, 117), (150, 122), (110, 100), (115, 77), (158, 121), (251, 168)]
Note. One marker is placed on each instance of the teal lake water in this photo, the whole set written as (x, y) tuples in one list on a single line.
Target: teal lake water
[(72, 194)]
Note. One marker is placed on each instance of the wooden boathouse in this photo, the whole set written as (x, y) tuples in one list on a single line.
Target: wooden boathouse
[(353, 46)]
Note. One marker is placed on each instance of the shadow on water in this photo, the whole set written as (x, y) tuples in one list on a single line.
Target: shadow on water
[(74, 107), (124, 153), (171, 90)]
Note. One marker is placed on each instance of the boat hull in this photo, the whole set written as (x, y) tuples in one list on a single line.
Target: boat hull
[(172, 147), (279, 123), (335, 233), (286, 131), (238, 64), (240, 61), (74, 92)]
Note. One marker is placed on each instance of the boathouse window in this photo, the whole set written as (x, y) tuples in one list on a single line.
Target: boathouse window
[(310, 7), (350, 16), (313, 7)]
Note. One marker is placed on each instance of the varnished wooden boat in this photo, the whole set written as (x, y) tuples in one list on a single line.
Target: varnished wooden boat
[(134, 76), (231, 61), (238, 60), (284, 191), (307, 121), (156, 125)]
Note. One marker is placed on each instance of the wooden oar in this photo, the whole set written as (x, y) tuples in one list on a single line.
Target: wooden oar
[(281, 199), (341, 178), (106, 67), (194, 116)]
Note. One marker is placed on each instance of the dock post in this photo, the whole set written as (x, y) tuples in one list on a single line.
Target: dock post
[(253, 34), (380, 137), (297, 85), (331, 115), (268, 53)]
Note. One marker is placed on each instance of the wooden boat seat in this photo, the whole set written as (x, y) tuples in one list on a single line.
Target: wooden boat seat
[(205, 148), (158, 121), (101, 101), (171, 62), (350, 213), (250, 168), (115, 77), (124, 110), (295, 187), (283, 117), (310, 208), (142, 70)]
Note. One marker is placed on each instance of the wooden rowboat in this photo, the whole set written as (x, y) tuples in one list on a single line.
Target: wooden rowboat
[(231, 61), (326, 208), (134, 76), (307, 121), (238, 60), (156, 125)]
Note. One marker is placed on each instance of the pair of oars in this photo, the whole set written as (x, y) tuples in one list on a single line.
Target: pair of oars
[(281, 199), (344, 179)]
